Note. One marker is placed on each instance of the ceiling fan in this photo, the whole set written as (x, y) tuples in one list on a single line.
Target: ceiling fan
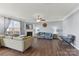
[(40, 19)]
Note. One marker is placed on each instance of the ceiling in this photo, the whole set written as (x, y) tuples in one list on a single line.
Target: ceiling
[(26, 11)]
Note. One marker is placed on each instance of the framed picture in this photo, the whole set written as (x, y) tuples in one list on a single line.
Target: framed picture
[(29, 26)]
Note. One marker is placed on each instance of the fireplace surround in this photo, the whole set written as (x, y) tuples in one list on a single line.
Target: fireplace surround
[(29, 33)]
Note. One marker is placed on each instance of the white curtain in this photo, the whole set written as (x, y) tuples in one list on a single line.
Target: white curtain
[(1, 25), (22, 28), (4, 23)]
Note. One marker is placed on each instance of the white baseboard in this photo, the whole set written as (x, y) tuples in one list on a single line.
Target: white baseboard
[(75, 46)]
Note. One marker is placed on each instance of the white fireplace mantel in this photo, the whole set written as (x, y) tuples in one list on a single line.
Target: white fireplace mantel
[(29, 30)]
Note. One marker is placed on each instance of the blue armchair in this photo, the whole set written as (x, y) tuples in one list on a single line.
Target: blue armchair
[(68, 39)]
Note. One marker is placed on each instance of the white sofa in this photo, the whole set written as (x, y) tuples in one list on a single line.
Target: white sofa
[(17, 43)]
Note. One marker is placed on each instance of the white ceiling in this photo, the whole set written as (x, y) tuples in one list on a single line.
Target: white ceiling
[(26, 11)]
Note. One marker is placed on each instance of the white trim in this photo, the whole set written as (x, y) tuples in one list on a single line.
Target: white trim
[(72, 12), (75, 46)]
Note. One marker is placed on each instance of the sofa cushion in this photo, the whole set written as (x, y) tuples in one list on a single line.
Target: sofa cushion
[(45, 35)]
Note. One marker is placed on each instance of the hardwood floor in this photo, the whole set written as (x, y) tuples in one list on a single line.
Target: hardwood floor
[(42, 47)]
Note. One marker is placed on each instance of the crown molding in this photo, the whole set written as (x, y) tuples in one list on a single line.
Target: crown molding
[(72, 12)]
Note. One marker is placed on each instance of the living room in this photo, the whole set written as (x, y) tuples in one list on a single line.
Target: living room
[(39, 29)]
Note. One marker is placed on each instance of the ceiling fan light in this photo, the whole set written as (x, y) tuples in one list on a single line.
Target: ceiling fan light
[(38, 21)]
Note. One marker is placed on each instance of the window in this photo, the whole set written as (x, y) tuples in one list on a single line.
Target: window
[(14, 28)]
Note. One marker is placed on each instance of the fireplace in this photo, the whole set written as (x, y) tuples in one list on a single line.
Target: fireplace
[(29, 33)]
